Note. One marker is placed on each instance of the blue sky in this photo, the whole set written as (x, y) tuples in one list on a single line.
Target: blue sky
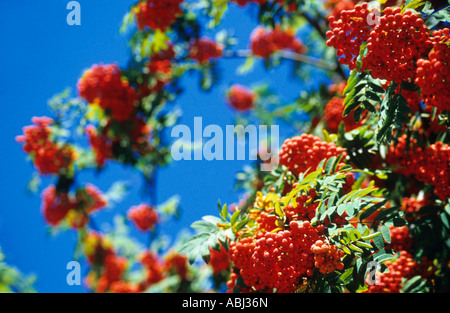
[(41, 56)]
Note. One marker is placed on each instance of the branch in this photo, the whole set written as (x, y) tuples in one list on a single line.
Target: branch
[(315, 24), (285, 54)]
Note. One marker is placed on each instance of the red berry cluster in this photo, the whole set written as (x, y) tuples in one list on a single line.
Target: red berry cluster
[(58, 205), (243, 3), (390, 282), (144, 216), (265, 43), (103, 85), (113, 270), (156, 14), (219, 260), (241, 98), (109, 267), (48, 157), (400, 155), (104, 139), (101, 145), (429, 165), (432, 167), (55, 206), (333, 114), (327, 258), (433, 74), (412, 97), (154, 268), (275, 261), (395, 45), (159, 72), (305, 210), (204, 49), (267, 220), (400, 238), (302, 154), (348, 32), (337, 6), (177, 263), (412, 205)]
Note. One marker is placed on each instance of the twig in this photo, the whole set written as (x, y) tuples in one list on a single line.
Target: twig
[(285, 54)]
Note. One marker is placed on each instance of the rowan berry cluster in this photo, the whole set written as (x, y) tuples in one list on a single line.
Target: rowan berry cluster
[(145, 217), (219, 260), (348, 32), (203, 50), (158, 72), (401, 155), (400, 238), (177, 263), (412, 97), (264, 42), (276, 261), (337, 6), (432, 167), (429, 165), (154, 268), (109, 270), (241, 98), (243, 3), (108, 267), (433, 74), (156, 14), (114, 268), (305, 210), (101, 145), (395, 45), (333, 114), (48, 156), (100, 254), (56, 206), (103, 85), (390, 282), (302, 154), (327, 258), (412, 206), (106, 140)]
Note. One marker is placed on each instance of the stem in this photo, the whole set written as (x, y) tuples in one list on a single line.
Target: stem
[(285, 54)]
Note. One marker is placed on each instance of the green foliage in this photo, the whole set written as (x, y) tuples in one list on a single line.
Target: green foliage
[(12, 280)]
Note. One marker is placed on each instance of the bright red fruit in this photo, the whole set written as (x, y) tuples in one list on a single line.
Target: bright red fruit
[(144, 216), (241, 98)]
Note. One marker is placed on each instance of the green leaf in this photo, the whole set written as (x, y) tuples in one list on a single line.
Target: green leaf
[(363, 245), (371, 236), (412, 284), (355, 248), (383, 257), (205, 226), (379, 242), (344, 276), (224, 213), (386, 233), (235, 217), (387, 213), (352, 81)]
